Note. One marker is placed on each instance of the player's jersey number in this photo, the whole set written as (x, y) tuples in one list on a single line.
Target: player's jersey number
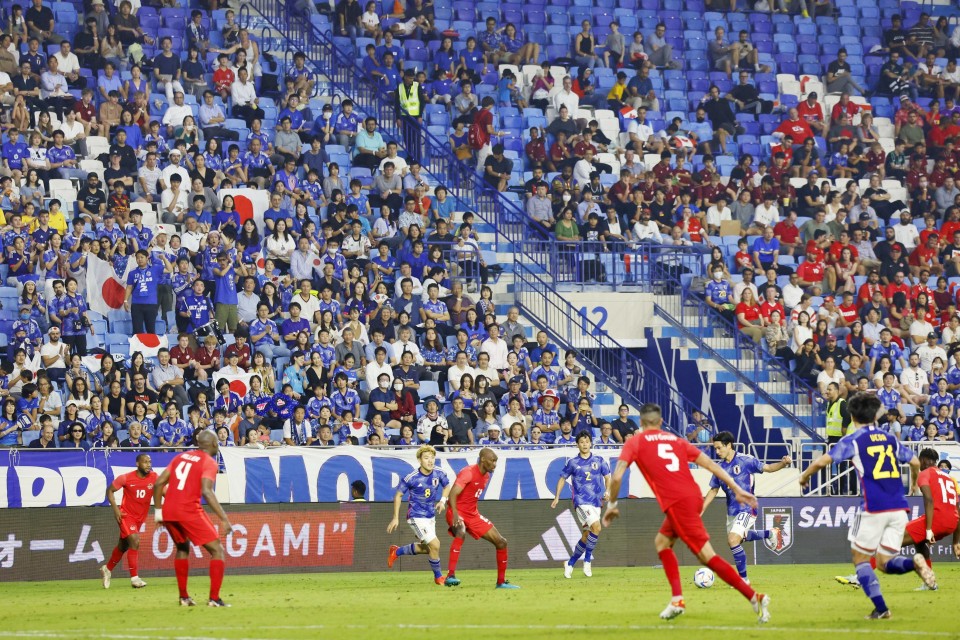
[(182, 471), (883, 453), (948, 490), (665, 452), (141, 493), (426, 493)]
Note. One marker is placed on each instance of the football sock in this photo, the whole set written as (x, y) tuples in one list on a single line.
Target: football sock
[(899, 564), (435, 565), (133, 560), (454, 556), (873, 563), (740, 557), (182, 569), (727, 573), (501, 565), (407, 550), (577, 552), (757, 535), (216, 578), (592, 540), (672, 568), (115, 558), (871, 586)]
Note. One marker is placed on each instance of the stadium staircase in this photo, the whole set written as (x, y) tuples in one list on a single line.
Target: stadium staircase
[(750, 379)]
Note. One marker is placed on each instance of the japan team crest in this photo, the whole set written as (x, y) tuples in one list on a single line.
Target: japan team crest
[(780, 521)]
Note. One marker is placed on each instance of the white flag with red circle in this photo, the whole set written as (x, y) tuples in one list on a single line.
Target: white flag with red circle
[(148, 344), (105, 292), (239, 382)]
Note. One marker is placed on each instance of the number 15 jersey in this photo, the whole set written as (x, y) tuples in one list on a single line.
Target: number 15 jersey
[(663, 460), (185, 486), (876, 455)]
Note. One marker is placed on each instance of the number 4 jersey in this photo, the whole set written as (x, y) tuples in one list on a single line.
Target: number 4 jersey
[(877, 456), (185, 486), (663, 460)]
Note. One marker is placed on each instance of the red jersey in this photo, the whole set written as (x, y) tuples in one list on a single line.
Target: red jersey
[(786, 232), (799, 130), (184, 489), (943, 489), (893, 288), (662, 459), (866, 291), (849, 314), (223, 79), (472, 482), (810, 113), (137, 494), (811, 271)]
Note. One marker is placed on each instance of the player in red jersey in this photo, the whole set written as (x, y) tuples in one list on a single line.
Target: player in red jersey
[(662, 458), (189, 476), (463, 518), (130, 514), (941, 516)]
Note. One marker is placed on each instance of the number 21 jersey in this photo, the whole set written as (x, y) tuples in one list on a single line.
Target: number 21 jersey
[(876, 455), (663, 460), (184, 487)]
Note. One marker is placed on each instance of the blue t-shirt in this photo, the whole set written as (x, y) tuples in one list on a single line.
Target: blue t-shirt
[(144, 282), (877, 456), (766, 248), (586, 479), (423, 491), (348, 400), (741, 468)]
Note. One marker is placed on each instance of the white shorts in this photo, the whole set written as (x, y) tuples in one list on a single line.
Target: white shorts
[(587, 515), (425, 529), (873, 533), (741, 523)]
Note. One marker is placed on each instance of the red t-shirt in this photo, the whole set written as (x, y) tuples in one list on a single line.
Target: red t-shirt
[(472, 482), (799, 130), (769, 307), (811, 271), (866, 291), (181, 355), (837, 248), (922, 255), (137, 494), (891, 289), (810, 113), (943, 489), (742, 260), (483, 119), (786, 232), (187, 472), (663, 460), (223, 79), (848, 313), (205, 357), (751, 313)]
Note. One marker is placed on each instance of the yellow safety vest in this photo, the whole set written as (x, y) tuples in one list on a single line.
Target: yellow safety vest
[(835, 419), (410, 102)]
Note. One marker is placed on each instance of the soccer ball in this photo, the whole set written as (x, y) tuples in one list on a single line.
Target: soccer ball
[(703, 578)]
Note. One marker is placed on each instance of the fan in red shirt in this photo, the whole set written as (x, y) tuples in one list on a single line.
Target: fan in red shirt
[(940, 515), (812, 112), (795, 127), (868, 288), (895, 287), (663, 459), (926, 256), (130, 514), (848, 309), (811, 272), (189, 476), (463, 517), (845, 106)]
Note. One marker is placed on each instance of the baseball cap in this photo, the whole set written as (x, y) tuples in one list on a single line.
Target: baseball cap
[(831, 338), (932, 335), (864, 216), (813, 173), (516, 379), (828, 299)]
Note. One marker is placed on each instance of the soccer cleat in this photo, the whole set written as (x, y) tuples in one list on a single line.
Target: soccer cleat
[(925, 572), (105, 574), (673, 610), (588, 569), (187, 602), (451, 582), (924, 587), (850, 581), (567, 570), (439, 580), (217, 603), (760, 607), (506, 585), (137, 582), (392, 557), (878, 615)]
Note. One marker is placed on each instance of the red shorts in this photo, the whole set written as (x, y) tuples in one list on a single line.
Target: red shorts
[(129, 526), (942, 527), (477, 525), (198, 529), (683, 521)]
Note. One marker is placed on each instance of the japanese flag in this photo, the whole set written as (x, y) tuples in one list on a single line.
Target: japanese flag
[(148, 344), (239, 383), (105, 292)]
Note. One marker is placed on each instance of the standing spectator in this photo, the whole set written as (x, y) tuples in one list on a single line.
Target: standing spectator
[(410, 101)]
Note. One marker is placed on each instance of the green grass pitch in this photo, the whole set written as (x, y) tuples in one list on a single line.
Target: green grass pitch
[(616, 603)]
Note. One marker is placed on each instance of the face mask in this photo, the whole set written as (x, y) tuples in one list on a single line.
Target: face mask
[(332, 251), (384, 385), (566, 197), (24, 316), (398, 387), (718, 276)]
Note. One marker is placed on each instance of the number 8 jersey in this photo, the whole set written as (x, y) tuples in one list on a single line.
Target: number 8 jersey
[(876, 455), (663, 459)]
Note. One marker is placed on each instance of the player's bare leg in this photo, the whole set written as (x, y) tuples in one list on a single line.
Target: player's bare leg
[(493, 536), (459, 531), (668, 559), (216, 573), (759, 601)]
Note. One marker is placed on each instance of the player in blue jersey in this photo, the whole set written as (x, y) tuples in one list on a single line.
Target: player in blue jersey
[(740, 517), (427, 489), (589, 476), (881, 520)]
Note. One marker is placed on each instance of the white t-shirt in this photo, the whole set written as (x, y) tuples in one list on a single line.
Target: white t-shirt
[(766, 217), (48, 349), (907, 235), (716, 216), (641, 130), (914, 379)]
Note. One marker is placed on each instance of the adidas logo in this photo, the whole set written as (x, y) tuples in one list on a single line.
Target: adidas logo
[(553, 546)]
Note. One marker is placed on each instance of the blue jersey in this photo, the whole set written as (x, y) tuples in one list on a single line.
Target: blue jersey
[(741, 468), (423, 492), (876, 455), (586, 477)]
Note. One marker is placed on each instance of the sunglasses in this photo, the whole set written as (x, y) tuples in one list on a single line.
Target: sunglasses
[(77, 431)]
